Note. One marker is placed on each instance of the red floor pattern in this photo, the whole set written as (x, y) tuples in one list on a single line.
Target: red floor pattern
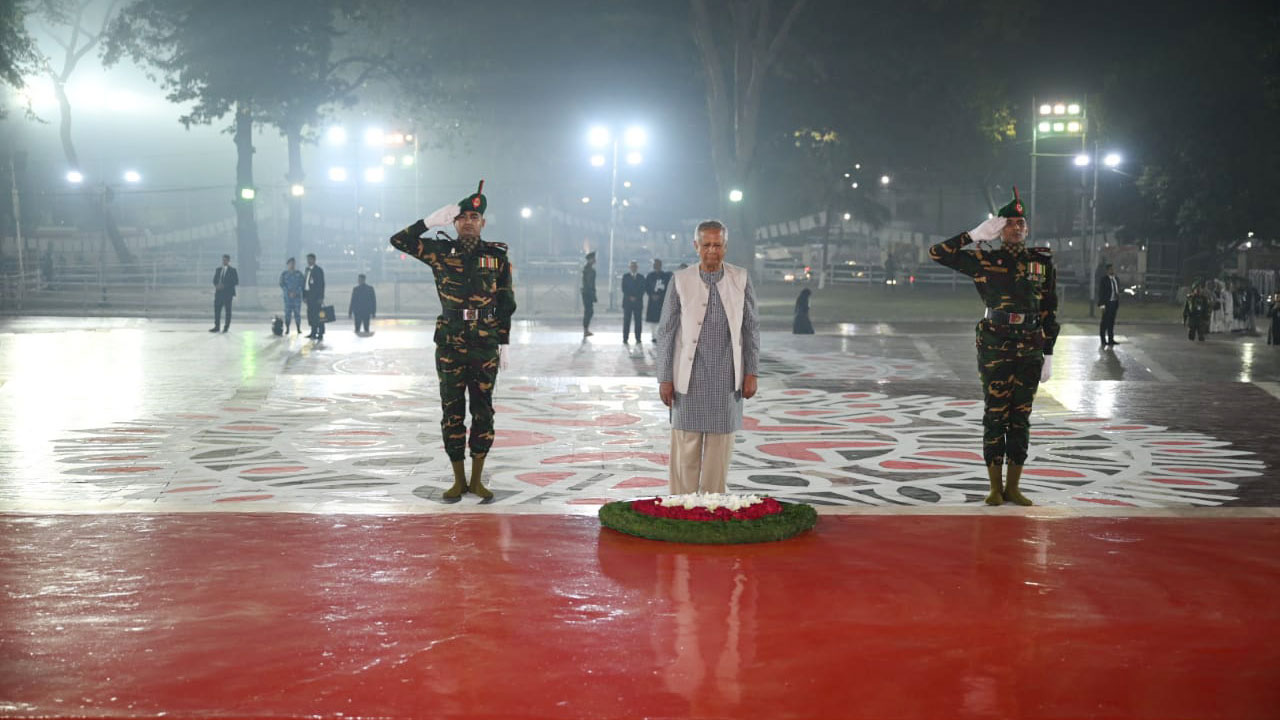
[(221, 615)]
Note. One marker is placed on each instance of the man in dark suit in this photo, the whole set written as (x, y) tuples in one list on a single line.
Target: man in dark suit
[(632, 301), (313, 296), (225, 280), (1109, 303), (655, 286), (588, 293), (364, 304)]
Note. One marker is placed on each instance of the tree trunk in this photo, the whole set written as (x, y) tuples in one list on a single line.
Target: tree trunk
[(246, 227), (123, 255), (295, 176), (64, 124), (735, 88)]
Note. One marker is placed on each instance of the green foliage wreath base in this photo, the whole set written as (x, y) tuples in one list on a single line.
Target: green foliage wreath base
[(794, 519)]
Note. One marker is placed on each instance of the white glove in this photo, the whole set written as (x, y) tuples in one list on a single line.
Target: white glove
[(502, 356), (1046, 370), (988, 230), (442, 217)]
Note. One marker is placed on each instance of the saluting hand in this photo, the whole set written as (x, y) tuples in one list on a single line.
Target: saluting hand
[(988, 230), (442, 217)]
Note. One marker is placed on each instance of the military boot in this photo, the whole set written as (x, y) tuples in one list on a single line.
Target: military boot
[(477, 487), (1011, 493), (993, 474), (454, 494)]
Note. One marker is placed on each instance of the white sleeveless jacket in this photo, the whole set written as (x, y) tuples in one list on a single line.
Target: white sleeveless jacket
[(694, 296)]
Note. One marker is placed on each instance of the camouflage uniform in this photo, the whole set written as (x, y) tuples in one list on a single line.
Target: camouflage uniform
[(466, 350), (1196, 312), (1015, 279)]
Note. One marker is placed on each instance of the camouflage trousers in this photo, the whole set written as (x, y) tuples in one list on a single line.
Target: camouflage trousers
[(1009, 364), (464, 369)]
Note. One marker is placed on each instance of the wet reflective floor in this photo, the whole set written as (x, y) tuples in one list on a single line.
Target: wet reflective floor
[(236, 524), (549, 617)]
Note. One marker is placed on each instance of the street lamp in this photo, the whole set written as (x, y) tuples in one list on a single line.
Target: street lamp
[(337, 135), (1056, 119), (297, 190), (603, 138), (1111, 160), (526, 213), (735, 195), (338, 174), (75, 177), (132, 176)]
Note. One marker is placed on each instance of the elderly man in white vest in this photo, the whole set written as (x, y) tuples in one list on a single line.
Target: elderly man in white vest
[(708, 353)]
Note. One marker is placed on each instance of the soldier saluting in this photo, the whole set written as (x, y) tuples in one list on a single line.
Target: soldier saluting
[(473, 280), (1015, 338)]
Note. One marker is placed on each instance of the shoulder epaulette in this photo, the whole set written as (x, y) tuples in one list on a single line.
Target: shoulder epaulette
[(496, 247), (1041, 251)]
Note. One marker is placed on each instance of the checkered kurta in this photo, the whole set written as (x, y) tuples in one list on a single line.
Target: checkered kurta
[(711, 405)]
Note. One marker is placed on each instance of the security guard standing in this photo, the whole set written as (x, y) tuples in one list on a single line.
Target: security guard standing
[(1015, 339), (473, 280), (1196, 311)]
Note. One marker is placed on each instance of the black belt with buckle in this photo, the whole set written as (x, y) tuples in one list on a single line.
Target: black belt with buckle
[(1004, 317), (468, 314)]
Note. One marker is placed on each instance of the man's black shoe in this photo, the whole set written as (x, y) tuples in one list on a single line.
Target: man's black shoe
[(213, 329)]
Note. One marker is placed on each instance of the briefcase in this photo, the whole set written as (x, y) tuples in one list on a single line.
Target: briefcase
[(326, 314)]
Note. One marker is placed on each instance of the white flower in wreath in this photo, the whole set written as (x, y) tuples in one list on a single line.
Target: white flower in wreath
[(711, 501)]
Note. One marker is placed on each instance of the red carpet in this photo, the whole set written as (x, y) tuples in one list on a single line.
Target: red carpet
[(220, 615)]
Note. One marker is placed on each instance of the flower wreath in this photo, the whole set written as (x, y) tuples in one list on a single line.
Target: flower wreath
[(709, 518)]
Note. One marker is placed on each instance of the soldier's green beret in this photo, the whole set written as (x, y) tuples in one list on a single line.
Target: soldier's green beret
[(475, 201), (1014, 209)]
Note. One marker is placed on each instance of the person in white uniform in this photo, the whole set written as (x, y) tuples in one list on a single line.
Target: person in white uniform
[(708, 358)]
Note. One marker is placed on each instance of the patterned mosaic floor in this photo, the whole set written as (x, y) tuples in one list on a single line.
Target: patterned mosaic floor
[(154, 417)]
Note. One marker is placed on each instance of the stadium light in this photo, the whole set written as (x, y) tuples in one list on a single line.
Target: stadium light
[(635, 137), (598, 136)]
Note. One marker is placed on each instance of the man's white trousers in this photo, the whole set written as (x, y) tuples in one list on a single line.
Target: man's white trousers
[(699, 461)]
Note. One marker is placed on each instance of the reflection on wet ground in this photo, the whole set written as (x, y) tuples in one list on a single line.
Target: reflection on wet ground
[(149, 415)]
